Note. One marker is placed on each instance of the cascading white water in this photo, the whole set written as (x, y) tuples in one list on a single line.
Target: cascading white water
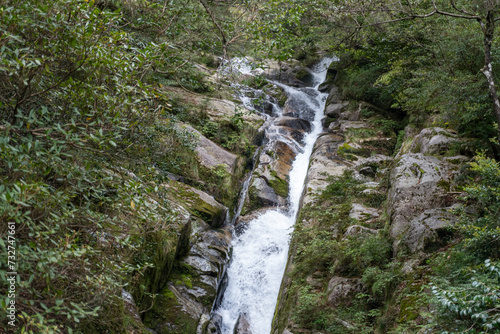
[(260, 253)]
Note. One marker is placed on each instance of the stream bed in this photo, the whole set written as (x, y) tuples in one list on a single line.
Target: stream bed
[(260, 252)]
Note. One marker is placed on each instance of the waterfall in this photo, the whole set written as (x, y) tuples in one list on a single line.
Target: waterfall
[(260, 253)]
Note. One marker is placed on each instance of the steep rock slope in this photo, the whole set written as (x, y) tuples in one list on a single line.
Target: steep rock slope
[(369, 217)]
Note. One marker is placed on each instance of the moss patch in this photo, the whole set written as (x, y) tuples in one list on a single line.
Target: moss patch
[(279, 185), (192, 201), (167, 317)]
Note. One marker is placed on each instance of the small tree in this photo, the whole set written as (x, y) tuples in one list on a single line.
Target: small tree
[(363, 14)]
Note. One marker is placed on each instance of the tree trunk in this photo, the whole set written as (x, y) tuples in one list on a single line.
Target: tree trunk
[(489, 33)]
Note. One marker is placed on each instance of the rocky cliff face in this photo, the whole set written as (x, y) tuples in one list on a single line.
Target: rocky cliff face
[(178, 293), (361, 195), (400, 199)]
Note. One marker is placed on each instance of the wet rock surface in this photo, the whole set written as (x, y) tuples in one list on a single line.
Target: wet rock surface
[(242, 325), (294, 123), (270, 180), (290, 73)]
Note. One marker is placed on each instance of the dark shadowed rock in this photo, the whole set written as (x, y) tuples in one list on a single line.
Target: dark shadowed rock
[(265, 194), (335, 110), (215, 325), (296, 135), (295, 123), (242, 325), (367, 171), (130, 306), (187, 300)]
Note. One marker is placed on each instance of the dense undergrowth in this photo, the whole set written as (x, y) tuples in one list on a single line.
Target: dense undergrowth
[(87, 135), (454, 289)]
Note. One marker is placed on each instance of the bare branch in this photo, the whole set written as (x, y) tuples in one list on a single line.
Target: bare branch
[(452, 2), (412, 17), (212, 17)]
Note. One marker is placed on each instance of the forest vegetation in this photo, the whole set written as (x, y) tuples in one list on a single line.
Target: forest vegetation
[(89, 112)]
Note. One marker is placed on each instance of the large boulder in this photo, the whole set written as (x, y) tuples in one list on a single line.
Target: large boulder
[(427, 231), (417, 184), (335, 110), (333, 96), (294, 123), (324, 162), (242, 325), (433, 141), (263, 194), (289, 73), (270, 180), (210, 154), (210, 324), (197, 203), (363, 214)]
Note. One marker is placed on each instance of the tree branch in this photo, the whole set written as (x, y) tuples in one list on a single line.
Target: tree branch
[(212, 17)]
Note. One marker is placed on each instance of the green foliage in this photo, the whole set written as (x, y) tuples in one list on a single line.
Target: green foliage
[(467, 290), (357, 81), (357, 253), (381, 282), (322, 251), (84, 136), (341, 187), (475, 302), (481, 227), (310, 312), (231, 133), (420, 68), (316, 250)]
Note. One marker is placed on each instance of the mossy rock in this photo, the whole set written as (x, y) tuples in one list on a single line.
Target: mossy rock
[(198, 203), (302, 74), (279, 185), (352, 153), (163, 248), (167, 315), (252, 201)]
